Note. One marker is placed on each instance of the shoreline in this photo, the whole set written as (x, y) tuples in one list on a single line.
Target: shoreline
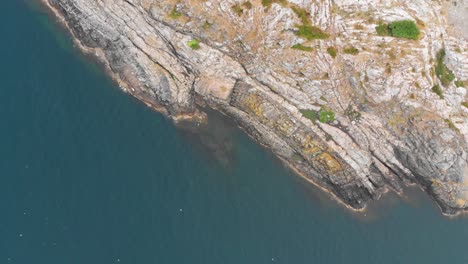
[(198, 116), (98, 53)]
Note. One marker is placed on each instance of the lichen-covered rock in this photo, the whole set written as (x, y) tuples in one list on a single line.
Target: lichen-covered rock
[(353, 111)]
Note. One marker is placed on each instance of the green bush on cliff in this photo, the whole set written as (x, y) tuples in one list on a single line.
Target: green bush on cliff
[(399, 29), (193, 44), (445, 75), (332, 51), (436, 89), (310, 32), (324, 115)]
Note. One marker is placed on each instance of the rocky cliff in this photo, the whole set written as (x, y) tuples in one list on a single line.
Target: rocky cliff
[(354, 101)]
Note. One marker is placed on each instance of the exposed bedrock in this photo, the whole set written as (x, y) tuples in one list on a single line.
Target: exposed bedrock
[(354, 112)]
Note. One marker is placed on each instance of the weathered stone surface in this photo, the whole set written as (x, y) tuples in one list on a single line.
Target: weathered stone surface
[(390, 128)]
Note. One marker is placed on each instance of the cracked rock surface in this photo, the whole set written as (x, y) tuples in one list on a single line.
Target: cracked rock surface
[(389, 127)]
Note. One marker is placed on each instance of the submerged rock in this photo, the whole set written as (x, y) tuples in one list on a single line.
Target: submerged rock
[(351, 108)]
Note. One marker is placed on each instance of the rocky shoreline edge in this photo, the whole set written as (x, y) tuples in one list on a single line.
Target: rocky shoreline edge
[(353, 198)]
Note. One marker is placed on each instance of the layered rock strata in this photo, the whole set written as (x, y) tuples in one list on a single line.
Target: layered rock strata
[(385, 124)]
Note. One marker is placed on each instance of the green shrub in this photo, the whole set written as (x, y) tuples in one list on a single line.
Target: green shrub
[(399, 29), (445, 75), (311, 32), (332, 51), (465, 104), (351, 50), (193, 44), (302, 47), (436, 89), (404, 29), (326, 115)]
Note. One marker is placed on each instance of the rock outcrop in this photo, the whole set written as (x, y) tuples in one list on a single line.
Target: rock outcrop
[(355, 112)]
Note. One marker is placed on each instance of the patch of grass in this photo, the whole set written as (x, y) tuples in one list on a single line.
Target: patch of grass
[(399, 29), (404, 29), (310, 32), (302, 47), (465, 104), (460, 83), (351, 50), (194, 44), (309, 114), (326, 115), (302, 14), (382, 30), (445, 75), (332, 51), (436, 89), (174, 14)]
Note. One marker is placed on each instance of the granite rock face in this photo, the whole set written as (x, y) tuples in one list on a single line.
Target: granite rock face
[(353, 112)]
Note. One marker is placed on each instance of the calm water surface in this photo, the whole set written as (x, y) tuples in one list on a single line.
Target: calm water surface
[(90, 175)]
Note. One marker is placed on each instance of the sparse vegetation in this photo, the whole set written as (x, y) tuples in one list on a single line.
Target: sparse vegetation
[(465, 104), (324, 115), (194, 44), (310, 32), (302, 47), (306, 30), (445, 75), (247, 4), (237, 9), (399, 29), (309, 114), (358, 27), (437, 90), (459, 83), (332, 51), (268, 3), (207, 25), (353, 114), (351, 50), (174, 14), (451, 125), (302, 14)]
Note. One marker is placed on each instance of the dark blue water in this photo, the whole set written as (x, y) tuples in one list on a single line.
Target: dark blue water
[(90, 175)]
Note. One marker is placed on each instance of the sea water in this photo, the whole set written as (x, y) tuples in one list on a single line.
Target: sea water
[(89, 175)]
